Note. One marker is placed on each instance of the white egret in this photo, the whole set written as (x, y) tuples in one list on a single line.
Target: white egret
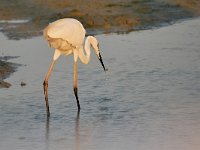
[(67, 37)]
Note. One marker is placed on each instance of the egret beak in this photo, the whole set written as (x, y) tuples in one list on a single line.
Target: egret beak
[(101, 60)]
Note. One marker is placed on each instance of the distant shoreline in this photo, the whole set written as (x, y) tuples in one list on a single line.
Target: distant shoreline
[(27, 18)]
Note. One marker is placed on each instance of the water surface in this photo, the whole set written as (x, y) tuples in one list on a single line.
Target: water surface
[(147, 100)]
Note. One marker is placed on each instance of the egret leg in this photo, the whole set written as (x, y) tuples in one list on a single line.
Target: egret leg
[(45, 86), (75, 85)]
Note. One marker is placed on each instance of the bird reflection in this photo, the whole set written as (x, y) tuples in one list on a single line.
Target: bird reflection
[(77, 135), (47, 132)]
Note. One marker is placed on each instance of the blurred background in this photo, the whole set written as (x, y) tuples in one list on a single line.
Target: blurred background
[(26, 18)]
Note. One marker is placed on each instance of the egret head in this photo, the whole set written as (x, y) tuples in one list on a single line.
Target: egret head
[(95, 46), (94, 43)]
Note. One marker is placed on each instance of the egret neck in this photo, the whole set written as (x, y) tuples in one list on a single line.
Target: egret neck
[(85, 57)]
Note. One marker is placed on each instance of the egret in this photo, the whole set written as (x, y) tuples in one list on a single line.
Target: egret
[(67, 37)]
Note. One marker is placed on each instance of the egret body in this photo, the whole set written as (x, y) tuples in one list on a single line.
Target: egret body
[(67, 37)]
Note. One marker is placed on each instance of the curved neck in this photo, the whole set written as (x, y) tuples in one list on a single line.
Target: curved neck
[(85, 57)]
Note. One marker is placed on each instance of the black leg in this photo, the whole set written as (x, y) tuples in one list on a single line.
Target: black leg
[(45, 86), (76, 95)]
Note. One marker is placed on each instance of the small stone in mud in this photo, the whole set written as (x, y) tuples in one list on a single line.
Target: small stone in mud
[(23, 84)]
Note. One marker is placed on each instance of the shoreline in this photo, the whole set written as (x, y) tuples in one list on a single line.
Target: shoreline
[(6, 69), (28, 19)]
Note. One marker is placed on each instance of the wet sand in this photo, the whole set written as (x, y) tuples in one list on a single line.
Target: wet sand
[(149, 98)]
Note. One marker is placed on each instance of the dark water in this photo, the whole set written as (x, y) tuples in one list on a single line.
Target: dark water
[(148, 100)]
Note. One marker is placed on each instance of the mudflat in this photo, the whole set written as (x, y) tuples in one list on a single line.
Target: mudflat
[(27, 18)]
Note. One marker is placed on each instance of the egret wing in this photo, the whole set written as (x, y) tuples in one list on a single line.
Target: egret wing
[(67, 29)]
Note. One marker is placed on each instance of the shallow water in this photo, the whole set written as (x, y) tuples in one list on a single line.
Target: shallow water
[(147, 100)]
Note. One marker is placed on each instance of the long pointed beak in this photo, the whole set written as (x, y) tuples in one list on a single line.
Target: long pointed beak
[(101, 60)]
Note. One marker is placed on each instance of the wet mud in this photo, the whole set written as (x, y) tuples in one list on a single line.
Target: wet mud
[(6, 69), (27, 18)]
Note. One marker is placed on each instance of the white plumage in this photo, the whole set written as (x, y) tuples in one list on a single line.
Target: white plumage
[(67, 29), (67, 37)]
